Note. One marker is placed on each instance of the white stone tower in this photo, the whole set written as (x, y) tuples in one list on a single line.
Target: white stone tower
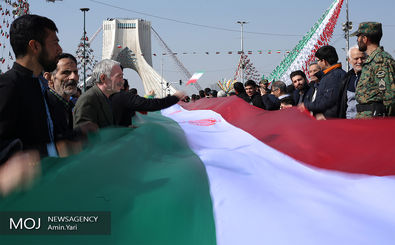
[(128, 41)]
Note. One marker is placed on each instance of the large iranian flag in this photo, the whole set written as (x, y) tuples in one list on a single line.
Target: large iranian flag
[(219, 171)]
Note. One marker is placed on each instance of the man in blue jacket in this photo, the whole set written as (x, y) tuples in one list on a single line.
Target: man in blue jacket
[(330, 77)]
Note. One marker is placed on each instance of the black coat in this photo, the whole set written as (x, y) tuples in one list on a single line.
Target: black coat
[(124, 105), (244, 96), (22, 110), (327, 93), (62, 118), (342, 103), (256, 100), (271, 102), (306, 94)]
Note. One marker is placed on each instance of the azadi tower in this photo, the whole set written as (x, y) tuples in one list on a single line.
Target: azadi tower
[(128, 41)]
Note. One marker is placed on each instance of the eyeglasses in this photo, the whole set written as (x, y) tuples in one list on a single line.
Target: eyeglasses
[(274, 89)]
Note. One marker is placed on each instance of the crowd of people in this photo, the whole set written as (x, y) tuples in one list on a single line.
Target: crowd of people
[(366, 91), (43, 113)]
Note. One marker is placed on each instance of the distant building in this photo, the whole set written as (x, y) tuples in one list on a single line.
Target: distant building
[(129, 42)]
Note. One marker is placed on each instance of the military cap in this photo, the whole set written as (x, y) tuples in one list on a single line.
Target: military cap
[(368, 28), (264, 81)]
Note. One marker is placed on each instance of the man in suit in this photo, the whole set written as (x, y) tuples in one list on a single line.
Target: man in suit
[(94, 105)]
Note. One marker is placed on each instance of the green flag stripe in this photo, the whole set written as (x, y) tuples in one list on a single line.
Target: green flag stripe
[(155, 187)]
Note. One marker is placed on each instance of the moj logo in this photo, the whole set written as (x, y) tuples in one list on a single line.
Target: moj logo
[(25, 223)]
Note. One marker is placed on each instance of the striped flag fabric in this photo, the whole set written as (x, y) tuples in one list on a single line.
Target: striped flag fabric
[(195, 77), (219, 171), (303, 53)]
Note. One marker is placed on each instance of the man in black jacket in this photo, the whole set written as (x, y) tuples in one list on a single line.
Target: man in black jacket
[(254, 98), (347, 102), (240, 91), (279, 91), (24, 110), (124, 104), (330, 80), (26, 127), (62, 84), (301, 84)]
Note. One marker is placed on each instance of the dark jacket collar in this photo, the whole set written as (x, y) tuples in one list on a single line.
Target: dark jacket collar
[(22, 69)]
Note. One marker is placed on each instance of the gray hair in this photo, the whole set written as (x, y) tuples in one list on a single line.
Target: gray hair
[(103, 67), (279, 85), (349, 51)]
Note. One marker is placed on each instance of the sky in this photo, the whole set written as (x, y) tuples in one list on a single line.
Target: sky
[(291, 19)]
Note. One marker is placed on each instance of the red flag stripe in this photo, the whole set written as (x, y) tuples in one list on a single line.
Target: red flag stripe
[(355, 146)]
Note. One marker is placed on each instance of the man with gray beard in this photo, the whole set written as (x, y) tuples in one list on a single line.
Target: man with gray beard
[(62, 83), (347, 102)]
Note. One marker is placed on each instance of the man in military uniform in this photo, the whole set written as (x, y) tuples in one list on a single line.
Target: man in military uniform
[(375, 92)]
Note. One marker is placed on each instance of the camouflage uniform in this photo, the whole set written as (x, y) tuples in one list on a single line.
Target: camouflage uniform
[(377, 82), (375, 92)]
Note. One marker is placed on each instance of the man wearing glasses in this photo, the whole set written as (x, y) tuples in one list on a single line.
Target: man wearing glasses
[(330, 77)]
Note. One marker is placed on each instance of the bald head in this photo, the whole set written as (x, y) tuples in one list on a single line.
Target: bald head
[(356, 58)]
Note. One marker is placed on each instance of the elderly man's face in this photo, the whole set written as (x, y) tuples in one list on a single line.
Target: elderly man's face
[(115, 82), (356, 59), (276, 92), (313, 69), (65, 80)]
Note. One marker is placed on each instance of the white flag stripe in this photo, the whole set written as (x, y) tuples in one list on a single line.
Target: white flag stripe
[(262, 196), (196, 76)]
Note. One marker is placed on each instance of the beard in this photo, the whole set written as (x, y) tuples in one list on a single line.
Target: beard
[(362, 46), (47, 64), (357, 68), (70, 87), (299, 86)]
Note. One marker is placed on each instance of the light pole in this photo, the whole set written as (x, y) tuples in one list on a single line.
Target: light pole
[(84, 59), (242, 49), (347, 26)]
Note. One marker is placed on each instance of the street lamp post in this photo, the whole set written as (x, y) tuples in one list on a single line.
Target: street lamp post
[(84, 59), (242, 48), (347, 27)]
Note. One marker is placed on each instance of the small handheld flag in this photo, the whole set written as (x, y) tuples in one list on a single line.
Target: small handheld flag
[(195, 77)]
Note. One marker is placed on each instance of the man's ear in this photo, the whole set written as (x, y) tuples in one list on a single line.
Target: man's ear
[(102, 78), (327, 63), (34, 46), (48, 76)]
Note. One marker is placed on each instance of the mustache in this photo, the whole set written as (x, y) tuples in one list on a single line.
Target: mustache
[(71, 83)]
